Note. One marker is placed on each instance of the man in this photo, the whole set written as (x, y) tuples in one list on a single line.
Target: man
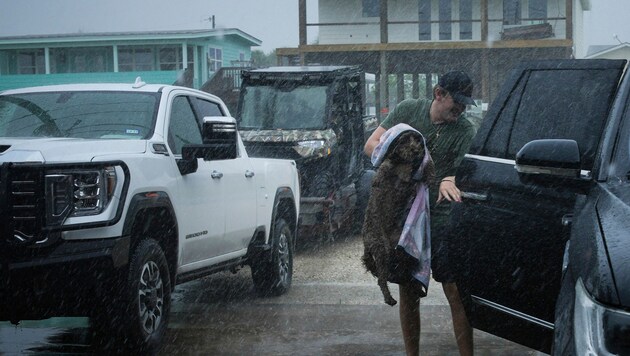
[(448, 136)]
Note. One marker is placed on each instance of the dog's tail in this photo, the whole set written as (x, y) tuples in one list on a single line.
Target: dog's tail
[(369, 263)]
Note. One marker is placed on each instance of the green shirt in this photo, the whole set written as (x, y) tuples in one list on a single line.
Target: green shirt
[(447, 143)]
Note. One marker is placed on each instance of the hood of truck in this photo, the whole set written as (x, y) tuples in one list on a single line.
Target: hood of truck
[(64, 149)]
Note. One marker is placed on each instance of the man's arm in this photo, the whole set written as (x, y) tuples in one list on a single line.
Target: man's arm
[(373, 141)]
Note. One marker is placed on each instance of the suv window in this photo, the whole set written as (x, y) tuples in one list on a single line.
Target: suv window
[(550, 106), (183, 128)]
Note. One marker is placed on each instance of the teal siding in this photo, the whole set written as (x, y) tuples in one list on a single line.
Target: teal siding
[(29, 80), (231, 44)]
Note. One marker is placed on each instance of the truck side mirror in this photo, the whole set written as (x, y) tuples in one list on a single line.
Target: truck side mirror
[(220, 137), (220, 142)]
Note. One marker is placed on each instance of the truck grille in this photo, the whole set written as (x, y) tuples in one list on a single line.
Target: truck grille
[(22, 204)]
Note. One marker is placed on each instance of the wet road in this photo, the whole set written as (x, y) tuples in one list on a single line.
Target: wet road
[(333, 308)]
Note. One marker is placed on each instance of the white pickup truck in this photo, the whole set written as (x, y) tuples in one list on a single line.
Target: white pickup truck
[(111, 194)]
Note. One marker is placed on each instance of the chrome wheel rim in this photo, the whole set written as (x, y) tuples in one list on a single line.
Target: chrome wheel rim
[(284, 259), (150, 297)]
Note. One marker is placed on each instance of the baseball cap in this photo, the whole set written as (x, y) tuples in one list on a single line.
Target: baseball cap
[(459, 85)]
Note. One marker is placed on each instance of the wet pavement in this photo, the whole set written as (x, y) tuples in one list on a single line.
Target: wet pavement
[(333, 308)]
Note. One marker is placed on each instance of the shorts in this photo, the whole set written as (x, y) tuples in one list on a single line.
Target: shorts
[(444, 255)]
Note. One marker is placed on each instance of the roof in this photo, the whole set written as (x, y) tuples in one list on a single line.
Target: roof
[(599, 50), (302, 72), (138, 86), (128, 36), (302, 69)]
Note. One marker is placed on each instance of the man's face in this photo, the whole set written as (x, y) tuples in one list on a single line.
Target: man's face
[(448, 109)]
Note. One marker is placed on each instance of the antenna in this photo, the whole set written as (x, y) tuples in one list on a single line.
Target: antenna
[(617, 38), (211, 20)]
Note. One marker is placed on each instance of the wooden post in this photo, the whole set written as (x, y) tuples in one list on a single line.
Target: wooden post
[(383, 20), (484, 20), (302, 29)]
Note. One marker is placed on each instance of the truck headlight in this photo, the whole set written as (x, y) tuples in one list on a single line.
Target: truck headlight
[(598, 329), (312, 148), (78, 192)]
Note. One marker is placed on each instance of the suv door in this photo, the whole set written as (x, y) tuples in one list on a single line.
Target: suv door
[(512, 232)]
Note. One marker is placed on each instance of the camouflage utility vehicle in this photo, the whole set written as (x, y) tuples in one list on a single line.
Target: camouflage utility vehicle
[(315, 116)]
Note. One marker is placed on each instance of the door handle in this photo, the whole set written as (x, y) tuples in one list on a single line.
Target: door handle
[(249, 174), (475, 196), (216, 175)]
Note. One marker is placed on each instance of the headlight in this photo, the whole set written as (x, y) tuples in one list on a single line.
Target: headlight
[(598, 329), (312, 148), (78, 193)]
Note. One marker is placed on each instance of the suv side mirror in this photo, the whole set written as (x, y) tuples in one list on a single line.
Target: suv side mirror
[(220, 142), (552, 157), (551, 163)]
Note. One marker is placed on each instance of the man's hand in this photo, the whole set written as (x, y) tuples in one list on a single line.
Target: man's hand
[(448, 190)]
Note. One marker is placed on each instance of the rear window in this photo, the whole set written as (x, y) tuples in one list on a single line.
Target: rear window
[(81, 114)]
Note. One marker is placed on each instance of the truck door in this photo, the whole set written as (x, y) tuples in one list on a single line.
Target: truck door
[(201, 214), (237, 183), (512, 233)]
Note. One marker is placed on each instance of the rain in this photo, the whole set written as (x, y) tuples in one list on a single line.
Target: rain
[(194, 179)]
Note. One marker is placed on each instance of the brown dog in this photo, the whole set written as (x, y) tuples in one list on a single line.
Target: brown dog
[(393, 190)]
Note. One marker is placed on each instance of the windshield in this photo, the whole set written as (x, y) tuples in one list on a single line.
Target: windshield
[(90, 115), (271, 108)]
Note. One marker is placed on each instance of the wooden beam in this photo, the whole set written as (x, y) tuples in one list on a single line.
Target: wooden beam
[(415, 46)]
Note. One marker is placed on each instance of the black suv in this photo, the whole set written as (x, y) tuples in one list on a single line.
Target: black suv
[(544, 225)]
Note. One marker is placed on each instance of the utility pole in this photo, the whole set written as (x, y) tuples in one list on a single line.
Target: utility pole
[(211, 20)]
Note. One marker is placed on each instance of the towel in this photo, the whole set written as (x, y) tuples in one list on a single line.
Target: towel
[(415, 238)]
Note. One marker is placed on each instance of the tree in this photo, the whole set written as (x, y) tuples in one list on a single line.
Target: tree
[(260, 59)]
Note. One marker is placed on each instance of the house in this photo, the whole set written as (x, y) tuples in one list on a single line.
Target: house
[(620, 51), (186, 57), (407, 43)]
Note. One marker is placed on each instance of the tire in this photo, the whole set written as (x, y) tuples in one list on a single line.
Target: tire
[(272, 276), (147, 298), (321, 186)]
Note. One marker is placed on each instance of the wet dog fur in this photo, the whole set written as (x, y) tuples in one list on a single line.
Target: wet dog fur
[(393, 190)]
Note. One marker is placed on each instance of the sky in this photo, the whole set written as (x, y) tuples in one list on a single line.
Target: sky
[(274, 22)]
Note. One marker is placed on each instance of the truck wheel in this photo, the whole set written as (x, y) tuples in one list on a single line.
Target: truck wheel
[(272, 277), (148, 297), (321, 186)]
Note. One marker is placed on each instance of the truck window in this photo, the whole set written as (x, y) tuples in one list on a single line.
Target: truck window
[(183, 128), (81, 114), (270, 108), (207, 108), (554, 104)]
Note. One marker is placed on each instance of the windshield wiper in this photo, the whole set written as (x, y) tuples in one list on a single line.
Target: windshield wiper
[(49, 125)]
